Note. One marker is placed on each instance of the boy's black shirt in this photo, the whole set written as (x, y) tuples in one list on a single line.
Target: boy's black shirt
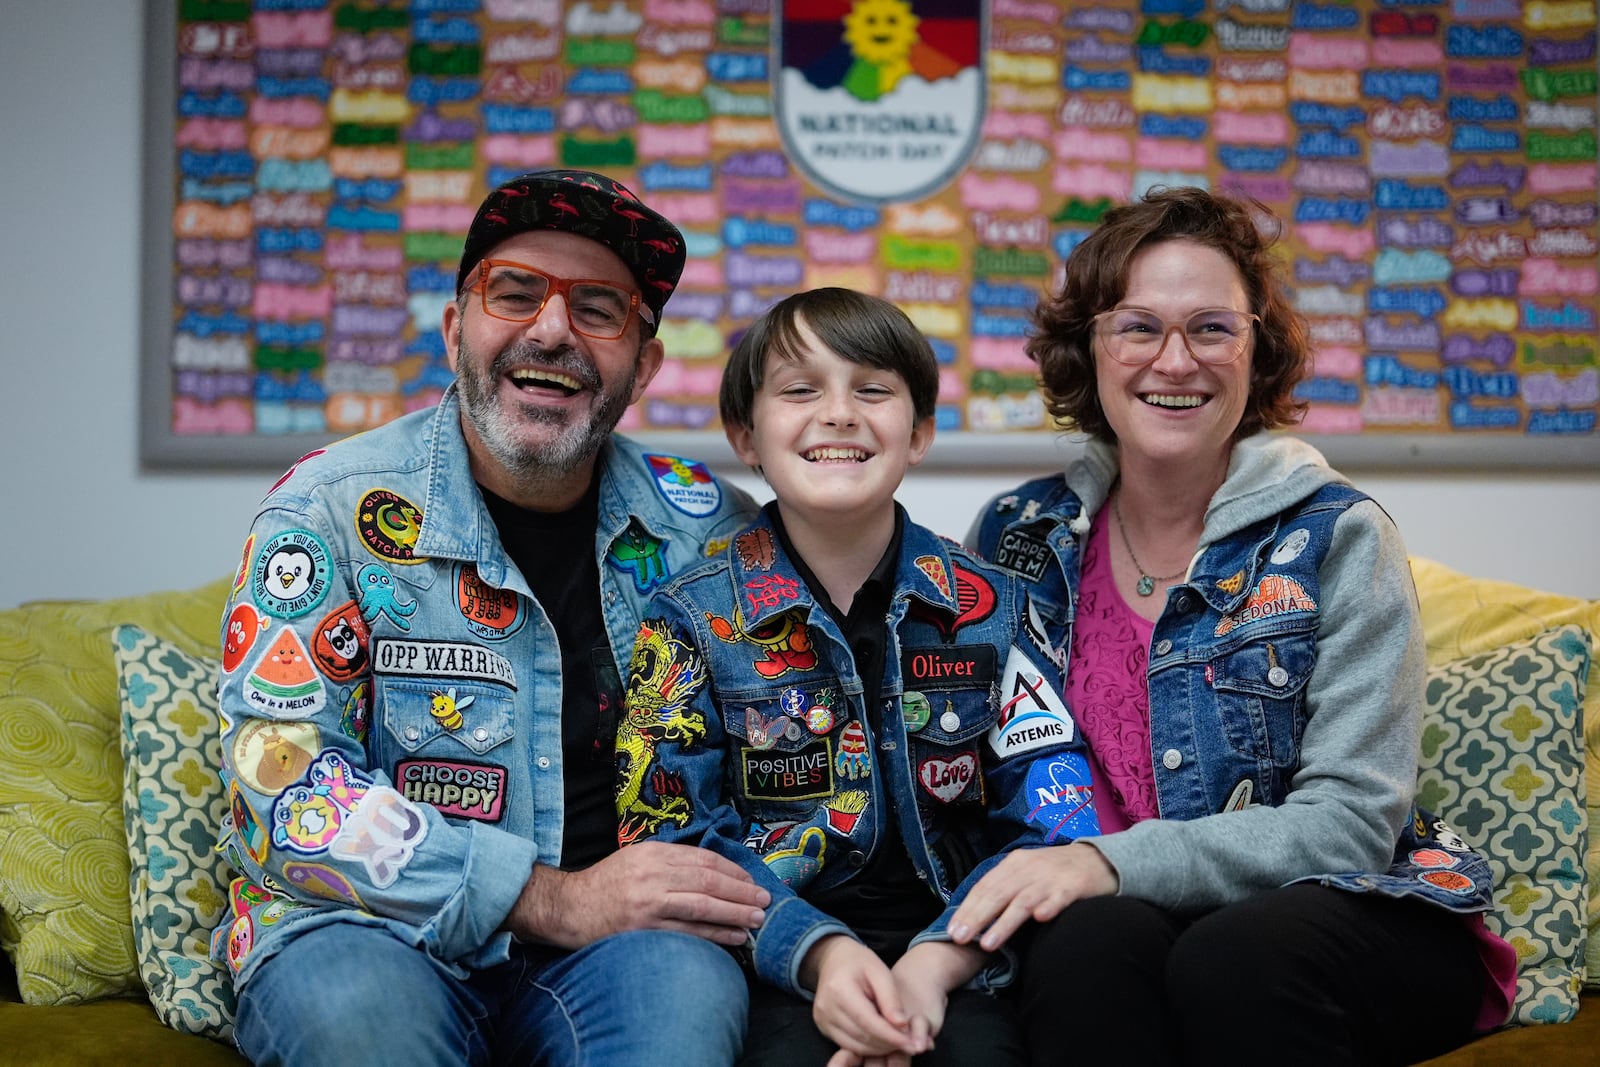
[(886, 904), (555, 553)]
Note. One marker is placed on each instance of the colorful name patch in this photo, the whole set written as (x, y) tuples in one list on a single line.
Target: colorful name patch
[(291, 575), (948, 667), (803, 775), (441, 659), (459, 790), (1032, 714)]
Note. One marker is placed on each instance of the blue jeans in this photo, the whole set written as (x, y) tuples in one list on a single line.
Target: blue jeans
[(348, 994)]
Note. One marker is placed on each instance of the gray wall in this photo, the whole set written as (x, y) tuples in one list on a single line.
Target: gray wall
[(84, 520)]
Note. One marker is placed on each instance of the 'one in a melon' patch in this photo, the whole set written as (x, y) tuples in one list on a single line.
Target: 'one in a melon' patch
[(283, 684)]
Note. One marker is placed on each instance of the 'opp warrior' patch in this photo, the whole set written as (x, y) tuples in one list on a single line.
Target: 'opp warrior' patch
[(803, 775), (459, 790)]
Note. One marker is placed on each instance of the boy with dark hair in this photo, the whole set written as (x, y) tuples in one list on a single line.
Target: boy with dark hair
[(858, 713)]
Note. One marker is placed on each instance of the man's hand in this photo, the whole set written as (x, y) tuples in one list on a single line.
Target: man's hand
[(648, 886), (1031, 883), (857, 1006)]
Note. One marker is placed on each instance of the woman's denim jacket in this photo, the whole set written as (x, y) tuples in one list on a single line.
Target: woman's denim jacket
[(747, 732), (392, 716), (1230, 660)]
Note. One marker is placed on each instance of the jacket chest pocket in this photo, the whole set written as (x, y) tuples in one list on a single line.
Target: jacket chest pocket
[(945, 729), (792, 750), (446, 716), (1260, 690)]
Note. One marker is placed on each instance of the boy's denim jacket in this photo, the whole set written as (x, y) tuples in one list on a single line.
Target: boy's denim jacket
[(392, 715), (746, 732), (1231, 665)]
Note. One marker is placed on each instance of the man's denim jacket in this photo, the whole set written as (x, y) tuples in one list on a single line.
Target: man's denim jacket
[(1230, 659), (391, 691), (747, 732)]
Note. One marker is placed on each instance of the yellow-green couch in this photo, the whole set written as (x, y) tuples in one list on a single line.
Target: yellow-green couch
[(107, 884)]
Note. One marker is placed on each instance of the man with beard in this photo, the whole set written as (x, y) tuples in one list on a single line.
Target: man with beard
[(441, 883)]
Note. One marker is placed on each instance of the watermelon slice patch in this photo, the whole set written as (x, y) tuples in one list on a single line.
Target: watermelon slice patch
[(283, 684)]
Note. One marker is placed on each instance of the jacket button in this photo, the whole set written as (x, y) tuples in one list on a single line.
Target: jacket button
[(480, 734), (856, 858), (1183, 602), (1279, 677), (1163, 646), (412, 733), (1172, 759), (544, 763)]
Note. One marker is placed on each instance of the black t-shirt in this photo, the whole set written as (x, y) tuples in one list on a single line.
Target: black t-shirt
[(555, 553), (886, 904)]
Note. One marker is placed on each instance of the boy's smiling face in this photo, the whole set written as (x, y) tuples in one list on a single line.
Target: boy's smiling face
[(833, 438)]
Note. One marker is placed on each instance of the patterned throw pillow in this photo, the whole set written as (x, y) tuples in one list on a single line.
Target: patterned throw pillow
[(1464, 616), (63, 854), (1502, 762), (172, 803)]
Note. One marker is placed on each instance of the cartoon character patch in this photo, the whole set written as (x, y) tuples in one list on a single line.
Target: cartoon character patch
[(291, 574), (283, 684), (489, 612), (446, 708), (388, 524), (685, 484), (306, 818), (239, 635), (1274, 595), (1063, 797), (381, 597), (270, 756), (640, 556), (783, 640), (1032, 715), (339, 645)]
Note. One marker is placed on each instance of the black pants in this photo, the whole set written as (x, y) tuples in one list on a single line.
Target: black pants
[(979, 1029), (1303, 974)]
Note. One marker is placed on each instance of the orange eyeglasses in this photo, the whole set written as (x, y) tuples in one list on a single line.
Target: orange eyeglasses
[(517, 292)]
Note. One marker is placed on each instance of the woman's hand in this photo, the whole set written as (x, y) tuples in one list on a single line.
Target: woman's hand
[(1033, 883)]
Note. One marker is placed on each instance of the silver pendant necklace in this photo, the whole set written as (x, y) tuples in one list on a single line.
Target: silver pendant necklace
[(1147, 582)]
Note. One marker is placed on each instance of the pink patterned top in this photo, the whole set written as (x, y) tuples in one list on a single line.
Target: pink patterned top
[(1110, 699), (1107, 692)]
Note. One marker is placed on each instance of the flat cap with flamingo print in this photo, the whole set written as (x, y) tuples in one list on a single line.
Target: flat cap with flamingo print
[(590, 205)]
